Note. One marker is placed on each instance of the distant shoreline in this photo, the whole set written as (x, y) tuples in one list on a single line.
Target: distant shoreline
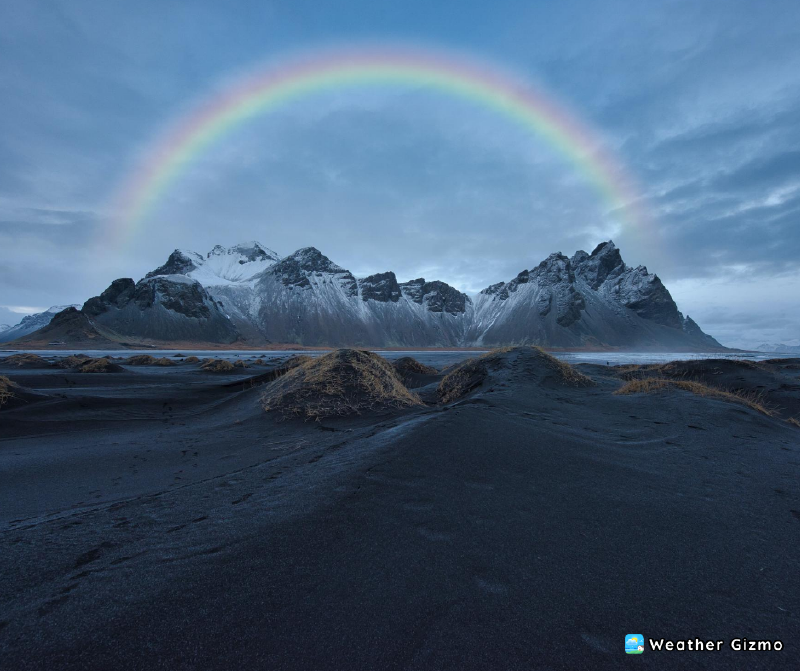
[(281, 347)]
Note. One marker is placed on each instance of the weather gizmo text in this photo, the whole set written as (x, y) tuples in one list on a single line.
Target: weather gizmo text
[(737, 644)]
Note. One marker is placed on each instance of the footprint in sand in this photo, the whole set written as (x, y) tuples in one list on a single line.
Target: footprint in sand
[(491, 585), (418, 506), (433, 534)]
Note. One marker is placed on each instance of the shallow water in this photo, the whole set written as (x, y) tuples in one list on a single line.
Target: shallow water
[(438, 358)]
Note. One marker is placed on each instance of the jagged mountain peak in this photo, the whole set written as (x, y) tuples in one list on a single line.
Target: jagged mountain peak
[(605, 262), (312, 260), (380, 287), (221, 266), (249, 251), (587, 299)]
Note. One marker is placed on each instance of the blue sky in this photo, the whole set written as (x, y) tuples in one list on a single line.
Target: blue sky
[(699, 100)]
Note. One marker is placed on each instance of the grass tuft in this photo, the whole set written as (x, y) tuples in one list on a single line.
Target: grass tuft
[(191, 359), (406, 364), (468, 375), (343, 382), (72, 361), (6, 386), (654, 385), (102, 365), (141, 360), (217, 366), (24, 359)]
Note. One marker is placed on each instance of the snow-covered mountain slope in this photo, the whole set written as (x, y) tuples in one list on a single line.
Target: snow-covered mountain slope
[(221, 266), (778, 347), (589, 300), (247, 294), (32, 323), (308, 299), (162, 307)]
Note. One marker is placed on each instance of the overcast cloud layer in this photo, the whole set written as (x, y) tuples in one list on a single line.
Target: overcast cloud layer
[(701, 102)]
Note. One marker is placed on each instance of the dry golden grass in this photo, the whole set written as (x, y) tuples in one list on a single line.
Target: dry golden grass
[(566, 373), (141, 360), (296, 360), (103, 365), (94, 366), (72, 361), (469, 374), (794, 422), (344, 382), (406, 365), (6, 393), (240, 364), (654, 385), (258, 362), (217, 366), (191, 359), (26, 359), (686, 369)]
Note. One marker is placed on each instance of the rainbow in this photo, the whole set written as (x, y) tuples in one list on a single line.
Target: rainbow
[(272, 86)]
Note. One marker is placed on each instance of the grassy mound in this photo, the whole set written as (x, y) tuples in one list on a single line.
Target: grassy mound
[(413, 373), (163, 361), (704, 370), (651, 385), (25, 361), (217, 366), (141, 360), (343, 382), (296, 360), (531, 361), (191, 359), (258, 362), (240, 364), (103, 365), (407, 364), (6, 390), (793, 363), (72, 361)]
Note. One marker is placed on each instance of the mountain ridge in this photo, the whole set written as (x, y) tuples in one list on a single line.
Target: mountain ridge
[(248, 294)]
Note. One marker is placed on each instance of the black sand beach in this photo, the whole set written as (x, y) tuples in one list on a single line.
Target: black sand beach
[(158, 518)]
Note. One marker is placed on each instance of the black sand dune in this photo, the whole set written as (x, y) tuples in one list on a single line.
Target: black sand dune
[(160, 519), (774, 383)]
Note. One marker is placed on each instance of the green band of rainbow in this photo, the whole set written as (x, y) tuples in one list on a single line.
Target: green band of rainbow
[(328, 70)]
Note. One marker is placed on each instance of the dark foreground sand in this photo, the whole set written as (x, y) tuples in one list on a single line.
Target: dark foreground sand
[(157, 518)]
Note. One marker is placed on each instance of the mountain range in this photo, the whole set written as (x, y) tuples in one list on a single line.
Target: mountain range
[(779, 348), (249, 295), (31, 323)]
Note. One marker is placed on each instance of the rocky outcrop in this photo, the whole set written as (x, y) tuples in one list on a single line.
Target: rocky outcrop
[(382, 287), (31, 323), (589, 300), (72, 327), (161, 307)]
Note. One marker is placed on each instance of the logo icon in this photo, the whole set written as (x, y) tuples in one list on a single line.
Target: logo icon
[(634, 644)]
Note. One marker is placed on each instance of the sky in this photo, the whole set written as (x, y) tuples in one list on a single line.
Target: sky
[(699, 101)]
